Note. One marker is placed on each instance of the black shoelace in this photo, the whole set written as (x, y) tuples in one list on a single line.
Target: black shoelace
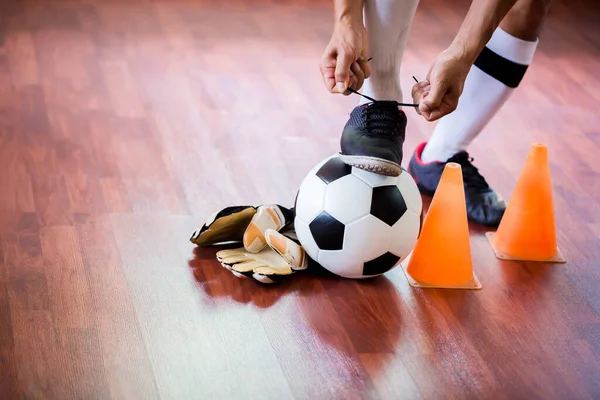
[(471, 175), (377, 101), (382, 117)]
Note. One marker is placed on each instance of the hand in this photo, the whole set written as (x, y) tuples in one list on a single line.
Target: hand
[(344, 62), (438, 95)]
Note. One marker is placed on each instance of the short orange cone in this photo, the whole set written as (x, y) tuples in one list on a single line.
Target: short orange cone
[(442, 256), (527, 231)]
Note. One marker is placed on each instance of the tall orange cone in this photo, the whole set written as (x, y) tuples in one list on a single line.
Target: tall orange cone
[(527, 231), (442, 256)]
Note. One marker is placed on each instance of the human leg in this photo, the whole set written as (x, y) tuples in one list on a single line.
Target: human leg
[(488, 86), (388, 23), (495, 75), (373, 137)]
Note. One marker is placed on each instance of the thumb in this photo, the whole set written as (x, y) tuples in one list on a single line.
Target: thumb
[(342, 72), (436, 95), (291, 252)]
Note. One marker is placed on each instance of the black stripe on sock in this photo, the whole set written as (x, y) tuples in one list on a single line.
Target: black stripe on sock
[(506, 71)]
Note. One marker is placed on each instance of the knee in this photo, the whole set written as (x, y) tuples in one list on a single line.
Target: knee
[(526, 18), (529, 12)]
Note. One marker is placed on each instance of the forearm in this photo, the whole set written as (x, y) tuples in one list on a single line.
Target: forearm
[(482, 19), (349, 12)]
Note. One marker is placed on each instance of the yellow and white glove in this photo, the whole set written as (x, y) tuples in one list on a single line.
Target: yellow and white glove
[(245, 224), (281, 258), (267, 255)]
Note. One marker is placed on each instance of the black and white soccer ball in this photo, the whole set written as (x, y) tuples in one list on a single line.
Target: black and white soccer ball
[(355, 223)]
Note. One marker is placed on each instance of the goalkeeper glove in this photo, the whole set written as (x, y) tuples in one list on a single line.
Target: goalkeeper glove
[(266, 256)]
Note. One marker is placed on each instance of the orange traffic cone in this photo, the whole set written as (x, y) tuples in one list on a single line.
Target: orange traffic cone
[(442, 256), (527, 231)]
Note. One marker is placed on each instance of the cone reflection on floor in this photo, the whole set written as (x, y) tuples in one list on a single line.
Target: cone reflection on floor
[(442, 255), (527, 231)]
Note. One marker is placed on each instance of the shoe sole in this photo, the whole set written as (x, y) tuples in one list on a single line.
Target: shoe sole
[(373, 164)]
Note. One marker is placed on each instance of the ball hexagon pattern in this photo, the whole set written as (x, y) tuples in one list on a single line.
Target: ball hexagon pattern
[(348, 198), (355, 223), (310, 200)]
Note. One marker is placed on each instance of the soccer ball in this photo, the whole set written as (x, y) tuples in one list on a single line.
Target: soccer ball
[(355, 223)]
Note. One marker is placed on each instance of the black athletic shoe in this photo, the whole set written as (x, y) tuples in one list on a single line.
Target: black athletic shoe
[(484, 206), (373, 137)]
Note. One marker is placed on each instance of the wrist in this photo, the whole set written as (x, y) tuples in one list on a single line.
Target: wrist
[(465, 51), (348, 13), (348, 20), (477, 28)]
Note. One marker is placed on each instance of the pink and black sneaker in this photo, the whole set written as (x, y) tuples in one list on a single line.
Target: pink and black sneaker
[(484, 205)]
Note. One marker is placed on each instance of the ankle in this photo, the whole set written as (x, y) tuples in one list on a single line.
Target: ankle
[(437, 153)]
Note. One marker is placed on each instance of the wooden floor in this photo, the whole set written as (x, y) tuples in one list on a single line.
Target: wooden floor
[(124, 124)]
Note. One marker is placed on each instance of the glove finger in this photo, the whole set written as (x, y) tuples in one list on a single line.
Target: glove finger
[(266, 217), (240, 275), (279, 269), (227, 225), (196, 235), (235, 258), (273, 273), (226, 266), (243, 273), (270, 279), (247, 266), (293, 254), (267, 266), (221, 254), (248, 270)]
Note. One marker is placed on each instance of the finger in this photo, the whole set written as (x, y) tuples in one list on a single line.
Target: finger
[(436, 94), (419, 87), (269, 279), (447, 107), (247, 266), (423, 108), (239, 274), (269, 270), (327, 67), (359, 74), (419, 93), (329, 81), (419, 90), (364, 57), (434, 115), (234, 258), (328, 75), (342, 72), (222, 254), (290, 251), (365, 66), (352, 82)]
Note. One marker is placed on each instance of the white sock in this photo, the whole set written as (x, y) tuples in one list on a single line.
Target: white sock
[(388, 23), (490, 82)]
